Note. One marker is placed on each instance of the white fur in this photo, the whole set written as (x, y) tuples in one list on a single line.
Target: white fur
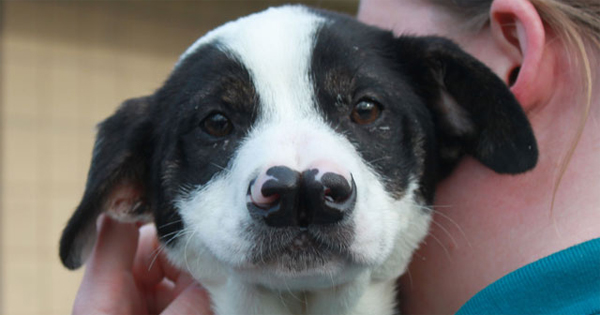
[(291, 132)]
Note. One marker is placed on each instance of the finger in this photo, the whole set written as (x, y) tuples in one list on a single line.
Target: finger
[(152, 271), (151, 264), (168, 290), (115, 247), (193, 300), (183, 281), (164, 295), (147, 270), (171, 272), (108, 286)]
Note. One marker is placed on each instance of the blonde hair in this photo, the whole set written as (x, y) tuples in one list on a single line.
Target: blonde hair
[(576, 22)]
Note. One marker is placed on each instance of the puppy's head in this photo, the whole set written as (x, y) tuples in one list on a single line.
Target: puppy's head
[(297, 148)]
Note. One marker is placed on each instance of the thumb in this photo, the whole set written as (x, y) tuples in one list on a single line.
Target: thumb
[(115, 247), (108, 286), (193, 300)]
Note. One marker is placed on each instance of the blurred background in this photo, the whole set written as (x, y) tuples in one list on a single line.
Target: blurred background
[(66, 65)]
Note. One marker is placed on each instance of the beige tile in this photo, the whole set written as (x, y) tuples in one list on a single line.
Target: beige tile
[(22, 296), (65, 80), (19, 233), (144, 74), (64, 156), (19, 95), (66, 283), (21, 155), (61, 210), (17, 191)]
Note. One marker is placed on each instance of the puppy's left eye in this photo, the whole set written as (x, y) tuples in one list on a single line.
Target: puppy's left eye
[(217, 125), (365, 112)]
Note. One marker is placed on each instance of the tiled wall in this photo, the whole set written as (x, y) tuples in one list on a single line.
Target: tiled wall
[(66, 66)]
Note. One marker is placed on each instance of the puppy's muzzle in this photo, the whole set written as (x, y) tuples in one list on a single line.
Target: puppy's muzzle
[(283, 197)]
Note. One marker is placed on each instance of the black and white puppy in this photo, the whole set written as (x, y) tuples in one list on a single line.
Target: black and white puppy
[(289, 160)]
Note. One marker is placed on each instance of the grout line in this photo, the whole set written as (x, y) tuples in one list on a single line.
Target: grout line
[(2, 184)]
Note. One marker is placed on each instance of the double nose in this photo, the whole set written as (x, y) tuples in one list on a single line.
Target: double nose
[(283, 197)]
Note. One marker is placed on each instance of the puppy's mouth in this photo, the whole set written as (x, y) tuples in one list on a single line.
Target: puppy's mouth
[(301, 250)]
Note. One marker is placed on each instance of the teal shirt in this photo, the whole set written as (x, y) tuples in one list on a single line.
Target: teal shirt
[(567, 282)]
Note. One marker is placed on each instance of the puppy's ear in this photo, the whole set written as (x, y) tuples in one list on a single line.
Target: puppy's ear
[(117, 179), (474, 111)]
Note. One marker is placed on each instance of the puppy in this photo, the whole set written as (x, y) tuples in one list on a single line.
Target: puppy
[(290, 159)]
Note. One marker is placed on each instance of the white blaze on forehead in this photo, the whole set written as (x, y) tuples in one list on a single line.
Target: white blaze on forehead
[(276, 47)]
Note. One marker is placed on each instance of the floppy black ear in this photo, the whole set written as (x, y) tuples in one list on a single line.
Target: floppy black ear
[(474, 111), (117, 179)]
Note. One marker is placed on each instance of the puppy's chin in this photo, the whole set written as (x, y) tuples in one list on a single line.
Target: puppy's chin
[(309, 270), (293, 258), (302, 254)]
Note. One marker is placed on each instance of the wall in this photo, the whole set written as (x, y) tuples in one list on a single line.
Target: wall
[(65, 67)]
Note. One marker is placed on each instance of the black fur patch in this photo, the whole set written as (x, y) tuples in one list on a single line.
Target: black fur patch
[(156, 144), (438, 102), (208, 81), (351, 62)]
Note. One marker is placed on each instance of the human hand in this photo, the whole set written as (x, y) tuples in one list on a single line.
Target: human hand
[(128, 274)]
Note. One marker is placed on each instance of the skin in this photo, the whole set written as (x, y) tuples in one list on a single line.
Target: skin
[(127, 274), (487, 225)]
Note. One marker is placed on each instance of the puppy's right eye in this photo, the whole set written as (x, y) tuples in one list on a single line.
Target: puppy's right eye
[(365, 112), (217, 125)]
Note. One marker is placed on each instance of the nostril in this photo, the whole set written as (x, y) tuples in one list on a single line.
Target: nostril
[(337, 188), (335, 196), (259, 197), (330, 197), (272, 196)]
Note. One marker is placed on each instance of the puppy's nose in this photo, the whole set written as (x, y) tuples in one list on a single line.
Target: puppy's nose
[(283, 197)]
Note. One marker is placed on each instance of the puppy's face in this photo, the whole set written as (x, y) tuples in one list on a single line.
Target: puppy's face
[(296, 149), (282, 102)]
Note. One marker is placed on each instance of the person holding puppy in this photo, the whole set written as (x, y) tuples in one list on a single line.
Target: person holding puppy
[(486, 226)]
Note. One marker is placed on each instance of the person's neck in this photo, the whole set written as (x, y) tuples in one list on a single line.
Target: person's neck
[(487, 225)]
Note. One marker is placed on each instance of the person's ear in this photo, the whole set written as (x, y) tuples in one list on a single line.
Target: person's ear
[(518, 30)]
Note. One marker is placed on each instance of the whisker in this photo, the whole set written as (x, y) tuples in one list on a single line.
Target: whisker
[(410, 278), (438, 241), (262, 256), (290, 292), (155, 254), (379, 159), (219, 166), (460, 229), (185, 257), (162, 247), (162, 237), (182, 233), (168, 224), (283, 300), (446, 231), (440, 206), (330, 273), (416, 253), (442, 245), (432, 208)]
